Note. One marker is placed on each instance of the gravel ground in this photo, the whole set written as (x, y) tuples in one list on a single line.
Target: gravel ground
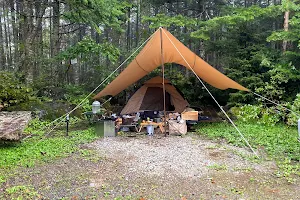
[(143, 167), (187, 157)]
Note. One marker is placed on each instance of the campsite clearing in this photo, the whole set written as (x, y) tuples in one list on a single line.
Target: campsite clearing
[(189, 167)]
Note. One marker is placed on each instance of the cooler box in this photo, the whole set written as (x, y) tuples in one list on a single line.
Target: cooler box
[(190, 115)]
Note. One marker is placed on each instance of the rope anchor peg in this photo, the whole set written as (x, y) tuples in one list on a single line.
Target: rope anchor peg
[(67, 123)]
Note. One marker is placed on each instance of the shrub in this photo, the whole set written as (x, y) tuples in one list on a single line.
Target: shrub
[(292, 117), (270, 116), (249, 112), (258, 113), (12, 91), (75, 95)]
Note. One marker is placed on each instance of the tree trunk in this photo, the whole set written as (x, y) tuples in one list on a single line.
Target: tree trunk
[(286, 28), (55, 40), (82, 32), (29, 47), (38, 34), (25, 50), (19, 5), (137, 36), (107, 32), (128, 30), (201, 49), (15, 32), (6, 36), (2, 55), (185, 31), (26, 54)]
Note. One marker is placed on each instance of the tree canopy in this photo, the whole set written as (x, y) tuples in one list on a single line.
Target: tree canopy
[(52, 44)]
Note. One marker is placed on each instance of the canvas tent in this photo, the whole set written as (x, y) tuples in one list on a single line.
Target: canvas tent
[(164, 46), (150, 97)]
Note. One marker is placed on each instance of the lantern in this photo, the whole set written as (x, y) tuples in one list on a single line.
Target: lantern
[(96, 107)]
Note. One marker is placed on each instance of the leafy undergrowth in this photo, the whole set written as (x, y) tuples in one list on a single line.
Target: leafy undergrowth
[(279, 141), (21, 192)]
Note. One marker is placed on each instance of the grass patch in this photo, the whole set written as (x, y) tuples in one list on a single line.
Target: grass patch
[(21, 192), (251, 157), (276, 140), (217, 167), (217, 146), (286, 169), (244, 169), (39, 149), (236, 190), (33, 150), (279, 141), (2, 180), (90, 155)]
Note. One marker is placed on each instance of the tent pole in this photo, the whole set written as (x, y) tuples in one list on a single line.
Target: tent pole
[(163, 76)]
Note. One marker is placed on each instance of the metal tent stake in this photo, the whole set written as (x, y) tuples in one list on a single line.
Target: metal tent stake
[(67, 123)]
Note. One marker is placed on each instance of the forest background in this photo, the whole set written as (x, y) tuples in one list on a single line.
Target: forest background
[(54, 52)]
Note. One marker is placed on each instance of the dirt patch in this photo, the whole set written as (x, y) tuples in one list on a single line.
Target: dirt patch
[(156, 168)]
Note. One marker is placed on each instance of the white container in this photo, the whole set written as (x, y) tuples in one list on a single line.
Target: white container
[(150, 129), (96, 107)]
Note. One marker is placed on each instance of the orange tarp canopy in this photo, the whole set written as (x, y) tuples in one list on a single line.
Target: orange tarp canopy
[(150, 58)]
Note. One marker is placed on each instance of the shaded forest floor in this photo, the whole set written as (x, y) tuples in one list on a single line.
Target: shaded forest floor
[(189, 167)]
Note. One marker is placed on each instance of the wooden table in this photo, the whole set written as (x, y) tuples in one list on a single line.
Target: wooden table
[(160, 125)]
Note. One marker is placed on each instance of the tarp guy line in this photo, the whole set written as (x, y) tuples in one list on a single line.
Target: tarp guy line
[(80, 104), (66, 115), (277, 104), (213, 97)]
